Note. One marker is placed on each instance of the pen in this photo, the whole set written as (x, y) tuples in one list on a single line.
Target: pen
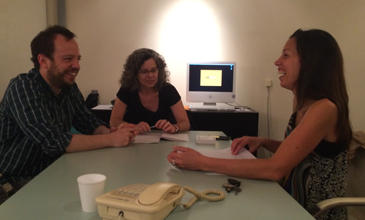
[(222, 138), (153, 126)]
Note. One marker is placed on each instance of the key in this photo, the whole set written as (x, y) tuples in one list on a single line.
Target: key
[(237, 190), (234, 182), (228, 187)]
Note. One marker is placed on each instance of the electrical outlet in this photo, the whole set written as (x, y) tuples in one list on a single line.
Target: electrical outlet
[(268, 83)]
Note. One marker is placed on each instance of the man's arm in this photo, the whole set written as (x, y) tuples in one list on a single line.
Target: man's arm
[(83, 119), (102, 129), (119, 138)]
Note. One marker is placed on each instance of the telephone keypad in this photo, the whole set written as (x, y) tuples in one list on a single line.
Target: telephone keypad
[(130, 191)]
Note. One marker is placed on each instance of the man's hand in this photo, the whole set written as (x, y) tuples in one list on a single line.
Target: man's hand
[(122, 136)]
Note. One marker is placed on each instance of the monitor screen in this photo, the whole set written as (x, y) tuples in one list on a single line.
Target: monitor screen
[(211, 82)]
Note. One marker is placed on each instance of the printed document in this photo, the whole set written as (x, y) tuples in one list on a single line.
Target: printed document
[(155, 137)]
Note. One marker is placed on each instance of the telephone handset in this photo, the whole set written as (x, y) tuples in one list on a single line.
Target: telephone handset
[(157, 192), (140, 201)]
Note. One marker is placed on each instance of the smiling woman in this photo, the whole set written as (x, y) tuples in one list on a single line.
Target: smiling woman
[(311, 161), (146, 99), (288, 65)]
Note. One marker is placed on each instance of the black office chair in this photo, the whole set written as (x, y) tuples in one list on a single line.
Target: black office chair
[(355, 200)]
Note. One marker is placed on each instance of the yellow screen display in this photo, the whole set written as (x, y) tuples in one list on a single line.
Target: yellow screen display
[(211, 78)]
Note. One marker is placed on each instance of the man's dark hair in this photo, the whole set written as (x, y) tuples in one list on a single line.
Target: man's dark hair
[(43, 43)]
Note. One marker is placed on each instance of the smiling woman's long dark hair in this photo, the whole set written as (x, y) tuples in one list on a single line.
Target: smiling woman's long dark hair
[(322, 76)]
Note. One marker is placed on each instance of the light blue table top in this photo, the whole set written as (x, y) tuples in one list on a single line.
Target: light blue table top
[(53, 194)]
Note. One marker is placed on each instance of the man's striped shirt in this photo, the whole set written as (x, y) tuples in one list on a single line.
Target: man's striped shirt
[(35, 124)]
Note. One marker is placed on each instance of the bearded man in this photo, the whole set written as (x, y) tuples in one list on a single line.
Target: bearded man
[(40, 107)]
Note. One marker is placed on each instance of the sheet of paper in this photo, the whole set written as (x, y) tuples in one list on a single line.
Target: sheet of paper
[(175, 137), (103, 107), (225, 153)]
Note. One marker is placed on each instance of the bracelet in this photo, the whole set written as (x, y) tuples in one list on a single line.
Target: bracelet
[(176, 128)]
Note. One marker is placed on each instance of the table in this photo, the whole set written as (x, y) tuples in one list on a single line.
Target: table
[(53, 194), (236, 123)]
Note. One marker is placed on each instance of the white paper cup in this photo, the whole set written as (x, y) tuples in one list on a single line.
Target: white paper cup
[(90, 186)]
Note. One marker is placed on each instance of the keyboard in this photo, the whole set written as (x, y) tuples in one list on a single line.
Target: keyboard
[(217, 107)]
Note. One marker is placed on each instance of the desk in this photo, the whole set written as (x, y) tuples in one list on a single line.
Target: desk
[(103, 112), (233, 123), (53, 194)]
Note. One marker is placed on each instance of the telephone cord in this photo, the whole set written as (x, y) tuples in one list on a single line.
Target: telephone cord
[(209, 195)]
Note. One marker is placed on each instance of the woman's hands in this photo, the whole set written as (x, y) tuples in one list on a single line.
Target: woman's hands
[(253, 144), (186, 158), (166, 126), (139, 128), (143, 127)]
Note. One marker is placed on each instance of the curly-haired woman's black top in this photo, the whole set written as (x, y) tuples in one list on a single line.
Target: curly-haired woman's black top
[(136, 112)]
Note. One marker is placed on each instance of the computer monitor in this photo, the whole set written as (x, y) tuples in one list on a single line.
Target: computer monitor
[(211, 83)]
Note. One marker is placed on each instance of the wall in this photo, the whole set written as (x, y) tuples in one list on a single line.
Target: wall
[(252, 33), (20, 21), (249, 32)]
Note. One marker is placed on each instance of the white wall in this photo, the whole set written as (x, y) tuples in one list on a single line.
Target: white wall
[(249, 32), (20, 21), (252, 33)]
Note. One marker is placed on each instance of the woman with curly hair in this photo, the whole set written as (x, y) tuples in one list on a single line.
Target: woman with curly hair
[(146, 99)]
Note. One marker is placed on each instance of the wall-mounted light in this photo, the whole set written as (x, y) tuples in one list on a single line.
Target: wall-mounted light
[(189, 32)]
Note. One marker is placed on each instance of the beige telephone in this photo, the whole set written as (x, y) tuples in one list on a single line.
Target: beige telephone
[(140, 201), (147, 202)]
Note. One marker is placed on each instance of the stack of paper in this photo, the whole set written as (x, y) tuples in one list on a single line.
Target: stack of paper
[(150, 138), (206, 139), (147, 138)]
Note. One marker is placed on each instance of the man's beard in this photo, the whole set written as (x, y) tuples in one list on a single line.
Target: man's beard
[(56, 77)]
